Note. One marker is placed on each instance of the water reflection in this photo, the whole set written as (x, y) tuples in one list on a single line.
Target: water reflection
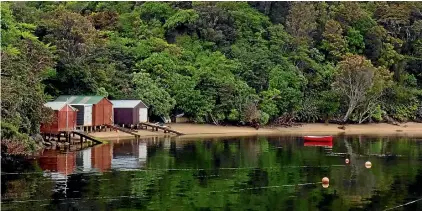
[(101, 158), (227, 173), (83, 160), (61, 164), (130, 155)]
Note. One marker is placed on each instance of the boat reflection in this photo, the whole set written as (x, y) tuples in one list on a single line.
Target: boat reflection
[(327, 145), (318, 144)]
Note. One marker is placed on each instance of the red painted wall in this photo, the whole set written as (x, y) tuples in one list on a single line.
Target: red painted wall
[(59, 122), (102, 113)]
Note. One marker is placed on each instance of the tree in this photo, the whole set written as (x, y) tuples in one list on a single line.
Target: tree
[(349, 13), (360, 83), (394, 17), (255, 63), (289, 82), (328, 104), (355, 41), (301, 21), (333, 41), (215, 24), (268, 102), (213, 60), (158, 99), (181, 18), (373, 39), (25, 63), (78, 47), (156, 10)]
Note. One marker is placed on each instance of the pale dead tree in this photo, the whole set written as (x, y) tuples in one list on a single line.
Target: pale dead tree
[(382, 80), (361, 83), (367, 110)]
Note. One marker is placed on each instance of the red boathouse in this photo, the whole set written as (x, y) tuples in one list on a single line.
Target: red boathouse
[(92, 110), (64, 118)]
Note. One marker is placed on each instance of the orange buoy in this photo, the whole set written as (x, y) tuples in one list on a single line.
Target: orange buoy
[(325, 185), (325, 180), (368, 164), (347, 161)]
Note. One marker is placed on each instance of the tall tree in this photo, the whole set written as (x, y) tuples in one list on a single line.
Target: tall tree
[(25, 63), (360, 83), (334, 42), (301, 22)]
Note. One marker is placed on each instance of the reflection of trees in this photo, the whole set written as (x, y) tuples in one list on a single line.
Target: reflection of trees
[(252, 173), (201, 189), (393, 162), (398, 193), (357, 186)]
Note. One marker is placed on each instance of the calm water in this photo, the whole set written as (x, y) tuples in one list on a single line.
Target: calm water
[(250, 173)]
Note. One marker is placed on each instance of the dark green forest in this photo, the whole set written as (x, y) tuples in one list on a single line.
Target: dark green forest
[(216, 62)]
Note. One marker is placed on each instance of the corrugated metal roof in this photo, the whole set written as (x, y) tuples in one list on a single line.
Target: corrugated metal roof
[(79, 99), (127, 103), (56, 106)]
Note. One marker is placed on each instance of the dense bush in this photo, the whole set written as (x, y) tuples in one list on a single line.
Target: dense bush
[(216, 61)]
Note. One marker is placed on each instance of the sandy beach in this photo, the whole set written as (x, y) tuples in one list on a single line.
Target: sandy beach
[(206, 130)]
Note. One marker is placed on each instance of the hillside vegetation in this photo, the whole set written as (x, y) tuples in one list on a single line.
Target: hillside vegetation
[(216, 62)]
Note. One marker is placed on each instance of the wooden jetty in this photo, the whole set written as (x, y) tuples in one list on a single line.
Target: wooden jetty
[(145, 126), (85, 136), (68, 138), (115, 127), (158, 127)]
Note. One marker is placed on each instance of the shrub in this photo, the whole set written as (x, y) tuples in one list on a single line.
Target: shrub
[(377, 115), (264, 118), (234, 115)]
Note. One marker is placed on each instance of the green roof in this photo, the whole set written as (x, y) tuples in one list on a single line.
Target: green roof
[(79, 99)]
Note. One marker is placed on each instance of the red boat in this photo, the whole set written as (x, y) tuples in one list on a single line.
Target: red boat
[(318, 138)]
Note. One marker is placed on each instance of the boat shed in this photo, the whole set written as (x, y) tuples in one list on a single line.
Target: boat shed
[(92, 110), (64, 118), (129, 112)]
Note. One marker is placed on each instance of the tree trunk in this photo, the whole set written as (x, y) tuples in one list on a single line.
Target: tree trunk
[(349, 111), (213, 119)]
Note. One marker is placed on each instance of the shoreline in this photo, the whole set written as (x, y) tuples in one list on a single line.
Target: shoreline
[(206, 130)]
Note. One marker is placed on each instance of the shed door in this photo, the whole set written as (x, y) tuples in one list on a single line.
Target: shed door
[(143, 115), (88, 115), (80, 114)]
